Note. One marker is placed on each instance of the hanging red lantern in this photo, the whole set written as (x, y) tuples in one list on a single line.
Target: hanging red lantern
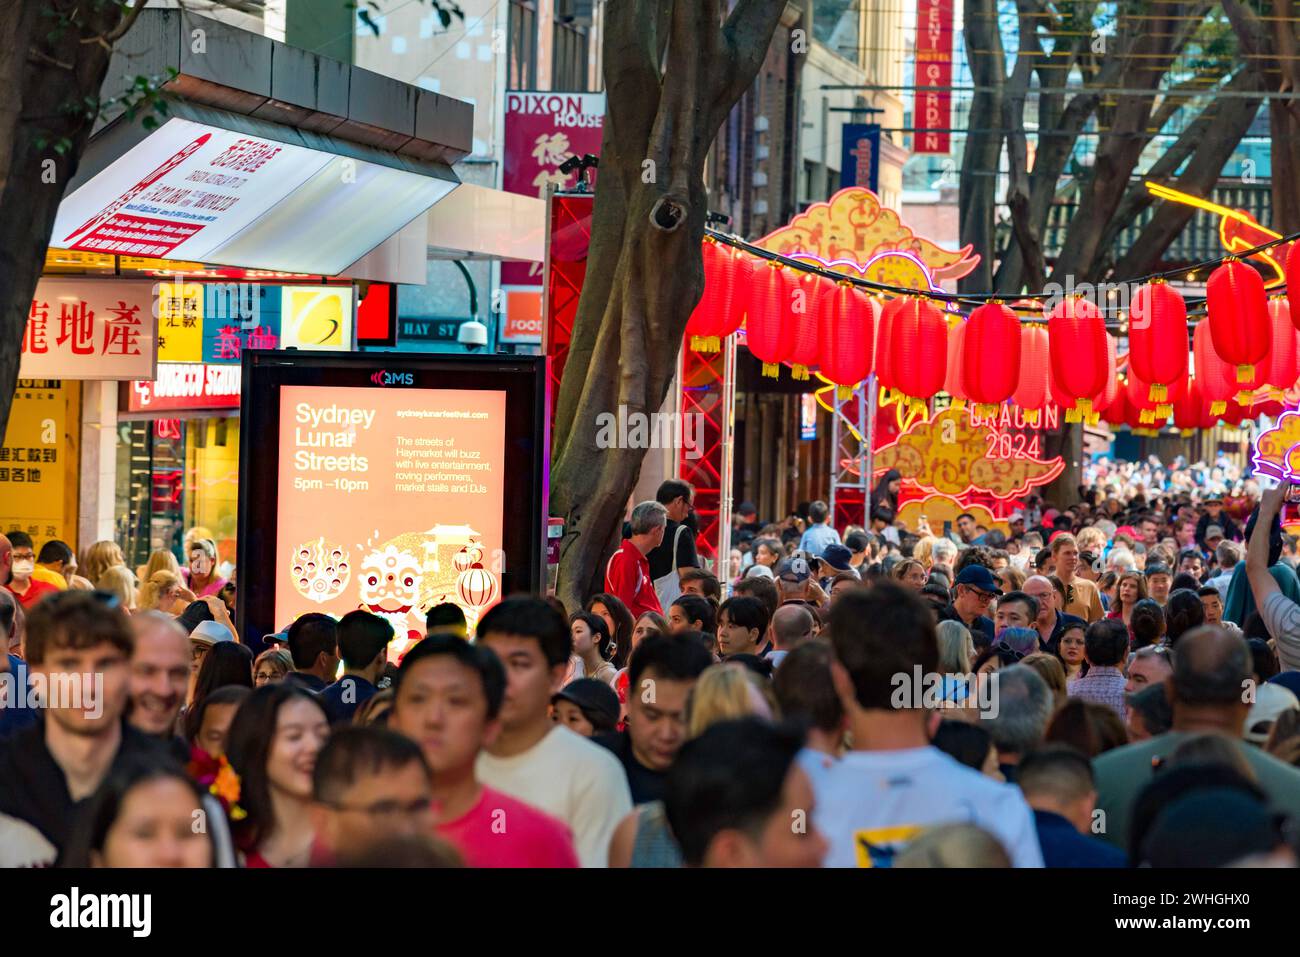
[(991, 355), (1218, 379), (707, 326), (918, 346), (1077, 336), (769, 333), (1293, 282), (1191, 411), (1240, 328), (1149, 410), (1031, 390), (954, 379), (1158, 337), (1118, 411), (1283, 366), (805, 307), (848, 318), (1112, 376), (884, 337)]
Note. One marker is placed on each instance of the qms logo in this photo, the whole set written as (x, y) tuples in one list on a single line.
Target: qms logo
[(393, 378)]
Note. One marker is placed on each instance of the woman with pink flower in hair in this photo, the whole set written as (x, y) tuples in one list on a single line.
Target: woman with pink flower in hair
[(272, 746)]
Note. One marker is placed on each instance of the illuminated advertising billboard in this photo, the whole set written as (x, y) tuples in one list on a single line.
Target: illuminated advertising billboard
[(390, 483)]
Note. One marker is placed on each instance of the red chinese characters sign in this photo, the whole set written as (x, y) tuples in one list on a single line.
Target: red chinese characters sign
[(83, 329), (933, 111)]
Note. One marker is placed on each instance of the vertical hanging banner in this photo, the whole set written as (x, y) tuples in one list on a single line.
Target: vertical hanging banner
[(860, 159), (933, 112)]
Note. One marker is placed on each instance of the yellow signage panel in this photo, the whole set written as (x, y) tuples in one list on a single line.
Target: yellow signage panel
[(180, 321), (34, 464)]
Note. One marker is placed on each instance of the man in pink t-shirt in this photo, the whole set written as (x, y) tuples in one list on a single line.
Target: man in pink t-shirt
[(447, 696)]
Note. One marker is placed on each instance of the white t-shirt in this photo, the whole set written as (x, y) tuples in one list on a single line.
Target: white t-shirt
[(570, 778), (21, 845), (870, 804)]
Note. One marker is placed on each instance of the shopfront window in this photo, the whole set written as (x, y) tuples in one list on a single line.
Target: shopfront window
[(175, 475)]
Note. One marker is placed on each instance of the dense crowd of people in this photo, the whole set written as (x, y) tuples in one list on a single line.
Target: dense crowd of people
[(1109, 684)]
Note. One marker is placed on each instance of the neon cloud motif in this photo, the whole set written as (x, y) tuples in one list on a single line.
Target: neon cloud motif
[(1275, 449)]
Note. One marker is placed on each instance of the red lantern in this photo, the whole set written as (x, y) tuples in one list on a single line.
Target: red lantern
[(1077, 336), (884, 336), (1118, 412), (954, 379), (769, 332), (1158, 337), (1031, 391), (1293, 282), (1149, 410), (1218, 379), (991, 355), (1112, 377), (804, 308), (709, 322), (1191, 411), (918, 346), (848, 319), (1283, 365), (1240, 328)]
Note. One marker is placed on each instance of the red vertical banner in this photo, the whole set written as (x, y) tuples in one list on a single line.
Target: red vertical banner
[(566, 260), (933, 112)]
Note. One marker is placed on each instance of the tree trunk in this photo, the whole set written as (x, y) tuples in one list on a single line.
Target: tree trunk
[(977, 192), (52, 79), (673, 72)]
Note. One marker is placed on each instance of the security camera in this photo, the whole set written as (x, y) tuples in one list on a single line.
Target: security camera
[(473, 335)]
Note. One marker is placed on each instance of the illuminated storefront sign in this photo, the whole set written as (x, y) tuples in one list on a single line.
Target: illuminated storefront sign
[(88, 329), (187, 385)]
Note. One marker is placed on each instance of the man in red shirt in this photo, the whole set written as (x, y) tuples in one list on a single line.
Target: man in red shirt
[(627, 575), (22, 559), (447, 699)]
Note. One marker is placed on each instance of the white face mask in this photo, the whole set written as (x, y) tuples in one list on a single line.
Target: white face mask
[(24, 568)]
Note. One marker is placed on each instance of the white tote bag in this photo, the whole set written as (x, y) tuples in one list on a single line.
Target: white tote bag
[(669, 587)]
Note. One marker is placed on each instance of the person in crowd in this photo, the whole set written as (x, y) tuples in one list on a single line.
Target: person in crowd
[(120, 582), (968, 744), (363, 644), (1025, 705), (160, 676), (1183, 612), (893, 784), (675, 554), (651, 623), (805, 693), (792, 625), (742, 626), (764, 589), (534, 760), (1149, 712), (1189, 833), (943, 556), (208, 722), (819, 533), (620, 622), (956, 659), (1214, 515), (1150, 665), (23, 582), (1088, 726), (1147, 626), (1227, 555), (1057, 782), (161, 560), (1015, 610), (446, 618), (1210, 669), (796, 583), (732, 793), (1051, 622), (228, 663), (911, 573), (203, 577), (692, 613), (587, 706), (100, 557), (314, 646), (272, 744), (54, 564), (451, 698), (1071, 651), (954, 846), (48, 768), (973, 592), (767, 552), (1081, 596), (1284, 737), (701, 582), (858, 545), (1212, 605), (593, 644), (1159, 582), (143, 815), (1281, 613), (1106, 647), (368, 785), (1051, 670), (627, 573), (165, 592), (1190, 562), (272, 666), (17, 710), (729, 690)]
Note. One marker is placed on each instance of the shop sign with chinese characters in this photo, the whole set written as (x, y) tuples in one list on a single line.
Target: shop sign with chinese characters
[(33, 466), (83, 329)]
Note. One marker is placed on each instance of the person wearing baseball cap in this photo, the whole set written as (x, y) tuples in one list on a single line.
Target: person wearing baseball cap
[(1215, 516), (795, 582), (973, 591), (587, 706)]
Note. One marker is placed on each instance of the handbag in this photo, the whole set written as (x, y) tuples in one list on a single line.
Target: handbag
[(669, 587)]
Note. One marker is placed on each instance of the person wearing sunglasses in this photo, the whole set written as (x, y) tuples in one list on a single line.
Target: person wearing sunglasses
[(973, 593)]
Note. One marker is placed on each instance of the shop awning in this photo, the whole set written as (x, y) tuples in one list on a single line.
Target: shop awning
[(271, 158)]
